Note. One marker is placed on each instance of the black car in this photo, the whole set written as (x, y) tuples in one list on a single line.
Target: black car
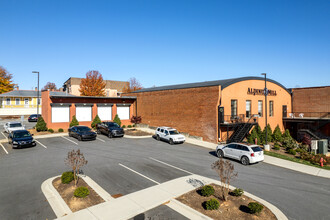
[(33, 117), (82, 133), (21, 138), (111, 129)]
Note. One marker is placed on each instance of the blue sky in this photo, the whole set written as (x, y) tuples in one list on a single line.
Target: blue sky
[(166, 42)]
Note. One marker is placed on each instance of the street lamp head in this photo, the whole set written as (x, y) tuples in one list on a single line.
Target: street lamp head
[(264, 74), (35, 72)]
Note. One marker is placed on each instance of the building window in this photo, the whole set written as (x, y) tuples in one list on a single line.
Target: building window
[(234, 108), (123, 112), (248, 108), (17, 101), (39, 101), (271, 108), (8, 101), (105, 113), (260, 108), (84, 113), (60, 114), (26, 101)]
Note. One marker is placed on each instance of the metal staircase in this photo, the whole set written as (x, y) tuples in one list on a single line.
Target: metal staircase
[(241, 131)]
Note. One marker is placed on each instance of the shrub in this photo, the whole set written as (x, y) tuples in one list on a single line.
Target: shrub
[(117, 120), (124, 126), (207, 190), (74, 121), (276, 147), (129, 126), (60, 130), (300, 150), (134, 125), (292, 151), (307, 140), (41, 124), (238, 192), (96, 121), (277, 134), (286, 134), (67, 177), (289, 143), (50, 130), (212, 204), (136, 119), (269, 134), (251, 138), (81, 192), (255, 208)]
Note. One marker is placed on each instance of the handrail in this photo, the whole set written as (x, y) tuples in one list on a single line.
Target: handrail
[(320, 115)]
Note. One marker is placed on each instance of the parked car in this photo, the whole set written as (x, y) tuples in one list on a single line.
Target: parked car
[(245, 153), (82, 133), (170, 135), (111, 129), (34, 117), (13, 126), (21, 138)]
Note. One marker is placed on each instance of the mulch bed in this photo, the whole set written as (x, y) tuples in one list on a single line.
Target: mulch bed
[(74, 203), (234, 208), (135, 132)]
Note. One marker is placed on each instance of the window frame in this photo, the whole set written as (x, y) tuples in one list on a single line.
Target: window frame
[(271, 108), (233, 107), (262, 108), (8, 99), (246, 111), (17, 99)]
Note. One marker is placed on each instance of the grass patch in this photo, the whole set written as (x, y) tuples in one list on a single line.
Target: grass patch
[(297, 160)]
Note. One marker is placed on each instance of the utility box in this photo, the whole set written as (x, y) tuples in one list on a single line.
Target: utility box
[(322, 146)]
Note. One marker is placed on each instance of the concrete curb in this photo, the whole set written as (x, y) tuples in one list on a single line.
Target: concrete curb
[(55, 200), (133, 204), (137, 137), (41, 136)]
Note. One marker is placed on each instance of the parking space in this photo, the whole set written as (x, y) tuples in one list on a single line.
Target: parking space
[(122, 166)]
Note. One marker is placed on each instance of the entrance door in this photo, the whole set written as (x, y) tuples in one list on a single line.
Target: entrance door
[(285, 112)]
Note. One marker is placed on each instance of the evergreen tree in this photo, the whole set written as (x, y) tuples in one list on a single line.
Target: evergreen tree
[(96, 121), (269, 134), (117, 120), (277, 134), (74, 121), (251, 138), (287, 134), (41, 124)]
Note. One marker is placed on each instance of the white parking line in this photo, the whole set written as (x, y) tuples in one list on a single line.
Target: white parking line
[(100, 139), (41, 144), (69, 140), (139, 174), (171, 165), (4, 135), (4, 148)]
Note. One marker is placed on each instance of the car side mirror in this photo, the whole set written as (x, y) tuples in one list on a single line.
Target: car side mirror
[(32, 134)]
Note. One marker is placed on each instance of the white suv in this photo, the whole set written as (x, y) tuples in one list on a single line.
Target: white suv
[(244, 153), (169, 134)]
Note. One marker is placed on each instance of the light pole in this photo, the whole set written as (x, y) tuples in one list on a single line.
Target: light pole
[(37, 92), (266, 93)]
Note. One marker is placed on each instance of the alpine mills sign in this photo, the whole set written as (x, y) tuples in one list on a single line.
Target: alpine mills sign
[(252, 91)]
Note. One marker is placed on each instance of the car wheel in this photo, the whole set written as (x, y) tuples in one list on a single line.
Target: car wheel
[(98, 131), (79, 138), (171, 141), (220, 153), (158, 138), (109, 135), (70, 135), (245, 161)]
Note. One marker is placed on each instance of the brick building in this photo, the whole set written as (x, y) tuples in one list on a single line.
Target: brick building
[(58, 109), (213, 110), (112, 88)]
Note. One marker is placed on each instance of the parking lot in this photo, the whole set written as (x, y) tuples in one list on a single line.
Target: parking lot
[(123, 165)]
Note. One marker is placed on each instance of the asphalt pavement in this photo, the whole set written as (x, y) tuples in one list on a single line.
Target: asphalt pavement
[(122, 166)]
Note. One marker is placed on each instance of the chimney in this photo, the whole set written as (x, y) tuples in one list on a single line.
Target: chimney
[(17, 87), (36, 88)]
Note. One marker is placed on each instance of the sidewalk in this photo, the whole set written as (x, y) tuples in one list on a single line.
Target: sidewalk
[(268, 159)]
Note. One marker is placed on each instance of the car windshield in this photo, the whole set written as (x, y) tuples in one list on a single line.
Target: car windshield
[(113, 125), (23, 134), (174, 132), (15, 125), (83, 129), (256, 149)]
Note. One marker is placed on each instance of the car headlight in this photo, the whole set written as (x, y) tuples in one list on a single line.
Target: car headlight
[(15, 142)]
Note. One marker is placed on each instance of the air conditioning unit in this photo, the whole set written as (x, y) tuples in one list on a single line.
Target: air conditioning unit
[(322, 146)]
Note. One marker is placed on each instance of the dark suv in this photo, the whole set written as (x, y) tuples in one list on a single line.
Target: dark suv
[(33, 117), (111, 129), (21, 138)]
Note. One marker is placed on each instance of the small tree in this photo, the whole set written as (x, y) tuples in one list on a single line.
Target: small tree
[(50, 86), (277, 135), (6, 83), (136, 120), (93, 84), (74, 121), (307, 140), (133, 85), (251, 138), (96, 121), (269, 134), (75, 160), (41, 124), (117, 120), (225, 170), (286, 134)]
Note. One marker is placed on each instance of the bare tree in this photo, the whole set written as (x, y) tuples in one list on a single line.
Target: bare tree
[(51, 86), (225, 170), (134, 85), (75, 160)]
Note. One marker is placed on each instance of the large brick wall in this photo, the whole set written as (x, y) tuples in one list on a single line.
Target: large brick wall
[(314, 99), (192, 110)]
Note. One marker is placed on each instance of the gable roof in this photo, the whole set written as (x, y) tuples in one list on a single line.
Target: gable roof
[(30, 93), (223, 83)]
